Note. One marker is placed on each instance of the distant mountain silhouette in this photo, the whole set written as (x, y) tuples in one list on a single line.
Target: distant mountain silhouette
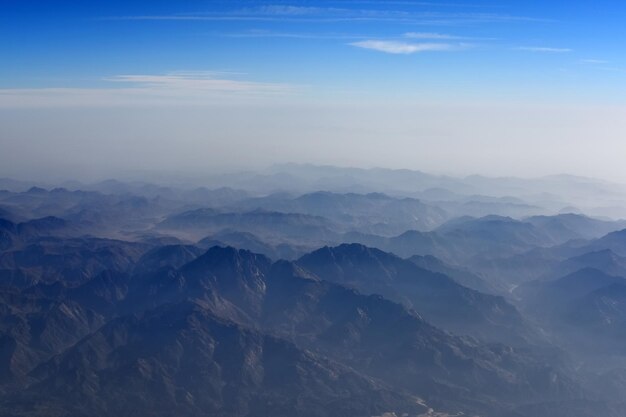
[(276, 224), (374, 212), (568, 226)]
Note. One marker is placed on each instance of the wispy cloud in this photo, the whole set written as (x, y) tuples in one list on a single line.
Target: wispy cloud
[(310, 14), (543, 49), (396, 47), (147, 89), (287, 10), (257, 33), (196, 81), (431, 35), (594, 61), (417, 3)]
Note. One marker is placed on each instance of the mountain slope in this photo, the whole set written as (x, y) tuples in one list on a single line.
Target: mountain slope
[(462, 276), (183, 360), (436, 296)]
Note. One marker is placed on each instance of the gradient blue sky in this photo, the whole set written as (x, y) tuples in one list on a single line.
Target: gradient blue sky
[(347, 72)]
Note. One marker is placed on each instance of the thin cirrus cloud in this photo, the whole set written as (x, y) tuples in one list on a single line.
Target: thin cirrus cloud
[(197, 81), (148, 89), (287, 10), (404, 48), (543, 49), (256, 33), (431, 35), (310, 14), (295, 35), (594, 61)]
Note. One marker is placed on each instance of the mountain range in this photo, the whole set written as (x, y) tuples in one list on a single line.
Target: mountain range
[(360, 293)]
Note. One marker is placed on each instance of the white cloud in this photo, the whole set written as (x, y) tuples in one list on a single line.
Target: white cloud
[(257, 33), (594, 61), (544, 49), (286, 10), (396, 47), (147, 89), (196, 81), (304, 14), (430, 35)]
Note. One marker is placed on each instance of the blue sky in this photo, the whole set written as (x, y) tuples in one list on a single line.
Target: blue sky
[(444, 48), (460, 87)]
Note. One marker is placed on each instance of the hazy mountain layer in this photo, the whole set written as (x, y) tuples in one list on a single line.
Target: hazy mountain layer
[(432, 299)]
